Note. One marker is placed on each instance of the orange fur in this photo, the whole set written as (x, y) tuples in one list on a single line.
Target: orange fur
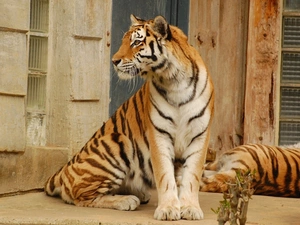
[(276, 170)]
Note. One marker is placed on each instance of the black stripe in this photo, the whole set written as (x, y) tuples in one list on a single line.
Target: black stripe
[(195, 70), (141, 98), (123, 125), (125, 106), (146, 141), (123, 155), (162, 131), (266, 152), (96, 164), (288, 173), (114, 122), (137, 114), (85, 149), (159, 46), (198, 135), (200, 114), (115, 165), (267, 181), (296, 190), (159, 66), (255, 157), (129, 135), (147, 181), (93, 178), (205, 85), (186, 158), (108, 151), (295, 155), (67, 190), (160, 112), (152, 56), (122, 114), (295, 152), (150, 165), (181, 47), (51, 183), (94, 135), (160, 90), (102, 129), (95, 141), (96, 151), (140, 157), (75, 158), (274, 162)]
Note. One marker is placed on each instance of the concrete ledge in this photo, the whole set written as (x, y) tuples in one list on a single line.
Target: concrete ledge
[(37, 208)]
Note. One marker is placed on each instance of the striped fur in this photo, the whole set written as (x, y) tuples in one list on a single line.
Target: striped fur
[(277, 170), (166, 123)]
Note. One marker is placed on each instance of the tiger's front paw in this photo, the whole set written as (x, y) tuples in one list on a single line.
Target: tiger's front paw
[(127, 203), (191, 213), (168, 212)]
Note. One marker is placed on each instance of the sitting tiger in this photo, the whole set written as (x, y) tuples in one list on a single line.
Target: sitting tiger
[(276, 169), (166, 123)]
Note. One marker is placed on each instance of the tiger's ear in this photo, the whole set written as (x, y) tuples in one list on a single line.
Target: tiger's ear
[(135, 20), (161, 26)]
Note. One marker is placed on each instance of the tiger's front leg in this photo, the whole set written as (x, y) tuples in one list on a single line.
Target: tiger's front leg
[(168, 207), (190, 180)]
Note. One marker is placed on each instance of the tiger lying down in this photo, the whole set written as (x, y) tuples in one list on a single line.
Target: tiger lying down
[(276, 169), (166, 123)]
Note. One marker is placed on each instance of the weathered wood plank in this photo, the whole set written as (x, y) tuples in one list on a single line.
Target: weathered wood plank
[(262, 71)]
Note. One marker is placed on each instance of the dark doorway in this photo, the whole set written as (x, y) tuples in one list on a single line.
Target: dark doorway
[(175, 11)]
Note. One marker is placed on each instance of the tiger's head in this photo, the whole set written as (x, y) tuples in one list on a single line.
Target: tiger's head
[(147, 48)]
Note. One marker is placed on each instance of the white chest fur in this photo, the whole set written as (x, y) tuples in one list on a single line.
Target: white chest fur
[(181, 111)]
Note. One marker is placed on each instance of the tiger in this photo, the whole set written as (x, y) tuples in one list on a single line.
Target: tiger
[(166, 123), (275, 170)]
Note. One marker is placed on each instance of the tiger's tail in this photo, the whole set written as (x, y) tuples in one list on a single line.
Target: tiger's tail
[(53, 184)]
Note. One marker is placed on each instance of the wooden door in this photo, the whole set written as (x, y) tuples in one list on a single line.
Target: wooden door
[(176, 12)]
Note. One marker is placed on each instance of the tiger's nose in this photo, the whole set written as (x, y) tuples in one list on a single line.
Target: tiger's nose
[(116, 61)]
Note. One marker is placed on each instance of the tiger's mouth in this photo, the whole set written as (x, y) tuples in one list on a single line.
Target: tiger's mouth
[(127, 70)]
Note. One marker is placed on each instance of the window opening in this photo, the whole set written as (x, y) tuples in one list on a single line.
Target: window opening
[(289, 118), (38, 54), (37, 72)]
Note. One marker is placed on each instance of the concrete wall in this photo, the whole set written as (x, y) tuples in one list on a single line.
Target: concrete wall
[(13, 74), (77, 87)]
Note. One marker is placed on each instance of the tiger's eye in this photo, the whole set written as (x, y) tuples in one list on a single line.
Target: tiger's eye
[(136, 42)]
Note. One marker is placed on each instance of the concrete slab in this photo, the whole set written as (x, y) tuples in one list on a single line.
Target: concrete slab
[(37, 208)]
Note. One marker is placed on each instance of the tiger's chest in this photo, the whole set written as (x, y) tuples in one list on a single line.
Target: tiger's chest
[(183, 121)]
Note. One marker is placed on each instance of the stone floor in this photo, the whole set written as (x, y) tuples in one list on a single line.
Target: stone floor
[(36, 208)]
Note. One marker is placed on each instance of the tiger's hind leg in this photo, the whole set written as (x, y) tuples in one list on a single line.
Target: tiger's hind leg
[(217, 182), (100, 173)]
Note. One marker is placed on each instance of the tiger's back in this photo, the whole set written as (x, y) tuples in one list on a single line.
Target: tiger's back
[(276, 170)]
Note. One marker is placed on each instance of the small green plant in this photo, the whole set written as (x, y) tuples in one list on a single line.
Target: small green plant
[(234, 207)]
